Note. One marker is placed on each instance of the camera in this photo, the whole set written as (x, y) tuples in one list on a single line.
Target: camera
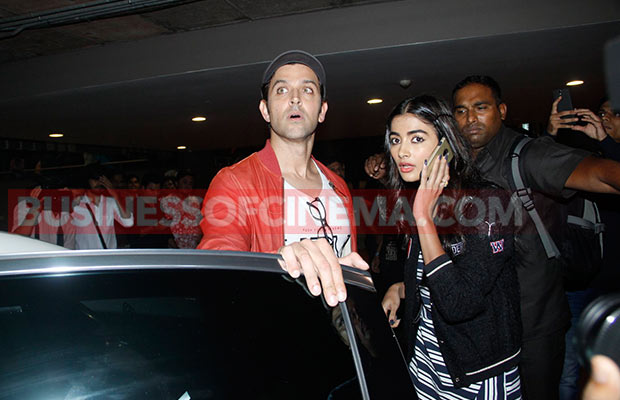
[(598, 329)]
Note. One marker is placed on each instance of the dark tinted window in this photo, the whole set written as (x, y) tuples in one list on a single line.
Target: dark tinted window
[(158, 335), (386, 373)]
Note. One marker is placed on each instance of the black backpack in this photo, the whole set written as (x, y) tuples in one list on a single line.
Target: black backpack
[(581, 246)]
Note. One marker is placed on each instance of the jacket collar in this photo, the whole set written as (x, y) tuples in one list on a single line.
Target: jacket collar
[(268, 157)]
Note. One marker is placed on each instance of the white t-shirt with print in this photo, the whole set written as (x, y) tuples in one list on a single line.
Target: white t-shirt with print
[(315, 217)]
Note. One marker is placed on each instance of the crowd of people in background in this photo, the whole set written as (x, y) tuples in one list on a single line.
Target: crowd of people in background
[(100, 210)]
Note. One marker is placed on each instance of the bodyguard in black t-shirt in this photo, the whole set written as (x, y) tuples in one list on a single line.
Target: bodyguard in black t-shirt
[(551, 170)]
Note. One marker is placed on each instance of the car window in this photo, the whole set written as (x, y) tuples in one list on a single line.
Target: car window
[(385, 370), (204, 334)]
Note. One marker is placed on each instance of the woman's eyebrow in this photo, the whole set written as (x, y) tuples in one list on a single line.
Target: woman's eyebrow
[(410, 132)]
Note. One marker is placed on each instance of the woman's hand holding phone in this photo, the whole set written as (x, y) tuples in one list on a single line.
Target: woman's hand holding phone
[(444, 149), (432, 183)]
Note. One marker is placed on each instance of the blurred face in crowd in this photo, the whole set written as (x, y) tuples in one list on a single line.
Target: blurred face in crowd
[(611, 121), (95, 183), (118, 181), (186, 182), (478, 115), (411, 142), (168, 183), (337, 167), (293, 107), (152, 186), (134, 183)]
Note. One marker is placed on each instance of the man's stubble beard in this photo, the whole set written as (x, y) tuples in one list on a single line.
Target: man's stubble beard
[(302, 136)]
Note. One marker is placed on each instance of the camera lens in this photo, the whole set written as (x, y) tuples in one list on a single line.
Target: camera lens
[(598, 329)]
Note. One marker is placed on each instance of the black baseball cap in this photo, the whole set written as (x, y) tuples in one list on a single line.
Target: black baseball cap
[(296, 57)]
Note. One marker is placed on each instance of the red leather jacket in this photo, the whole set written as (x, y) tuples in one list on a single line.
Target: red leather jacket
[(243, 209)]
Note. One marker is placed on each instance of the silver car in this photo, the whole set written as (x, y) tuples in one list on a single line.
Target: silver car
[(185, 324)]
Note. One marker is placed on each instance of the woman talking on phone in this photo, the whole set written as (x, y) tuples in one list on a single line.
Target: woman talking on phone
[(460, 288)]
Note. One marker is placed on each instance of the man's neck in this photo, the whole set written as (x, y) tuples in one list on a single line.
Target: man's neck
[(295, 161), (294, 156)]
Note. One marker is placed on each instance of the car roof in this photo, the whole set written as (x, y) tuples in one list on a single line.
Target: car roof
[(14, 243), (20, 256)]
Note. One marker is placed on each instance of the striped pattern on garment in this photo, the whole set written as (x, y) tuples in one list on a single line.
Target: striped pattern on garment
[(430, 374)]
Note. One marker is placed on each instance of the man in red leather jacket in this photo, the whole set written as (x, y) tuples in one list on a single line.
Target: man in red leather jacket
[(250, 205)]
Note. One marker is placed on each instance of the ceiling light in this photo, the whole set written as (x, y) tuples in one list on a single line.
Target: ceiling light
[(404, 83), (574, 83), (181, 147), (56, 135), (375, 101), (199, 119)]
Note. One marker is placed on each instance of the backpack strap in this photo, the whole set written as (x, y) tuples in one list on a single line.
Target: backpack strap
[(525, 195), (588, 217), (584, 223)]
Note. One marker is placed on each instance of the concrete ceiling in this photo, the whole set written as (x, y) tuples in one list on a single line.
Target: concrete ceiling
[(136, 80), (176, 16)]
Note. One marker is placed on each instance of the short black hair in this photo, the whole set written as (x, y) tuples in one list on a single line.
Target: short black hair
[(483, 80), (264, 90), (95, 171), (602, 101)]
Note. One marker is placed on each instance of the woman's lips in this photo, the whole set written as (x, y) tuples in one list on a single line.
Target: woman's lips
[(406, 167)]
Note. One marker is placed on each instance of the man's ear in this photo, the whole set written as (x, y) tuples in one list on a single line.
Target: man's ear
[(322, 112), (264, 110), (503, 109)]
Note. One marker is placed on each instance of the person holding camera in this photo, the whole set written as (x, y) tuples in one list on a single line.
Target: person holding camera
[(93, 218), (603, 127)]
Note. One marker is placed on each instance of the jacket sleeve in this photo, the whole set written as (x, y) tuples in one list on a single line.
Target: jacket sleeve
[(224, 223), (460, 285)]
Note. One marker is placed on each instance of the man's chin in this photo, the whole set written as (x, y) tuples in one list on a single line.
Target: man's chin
[(294, 134), (472, 139)]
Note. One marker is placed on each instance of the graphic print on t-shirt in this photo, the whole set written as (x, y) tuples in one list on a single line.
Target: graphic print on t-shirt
[(324, 216)]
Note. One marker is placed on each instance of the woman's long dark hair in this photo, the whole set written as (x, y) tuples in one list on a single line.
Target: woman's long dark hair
[(436, 112)]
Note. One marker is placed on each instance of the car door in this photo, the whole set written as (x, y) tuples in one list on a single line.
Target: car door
[(176, 325)]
